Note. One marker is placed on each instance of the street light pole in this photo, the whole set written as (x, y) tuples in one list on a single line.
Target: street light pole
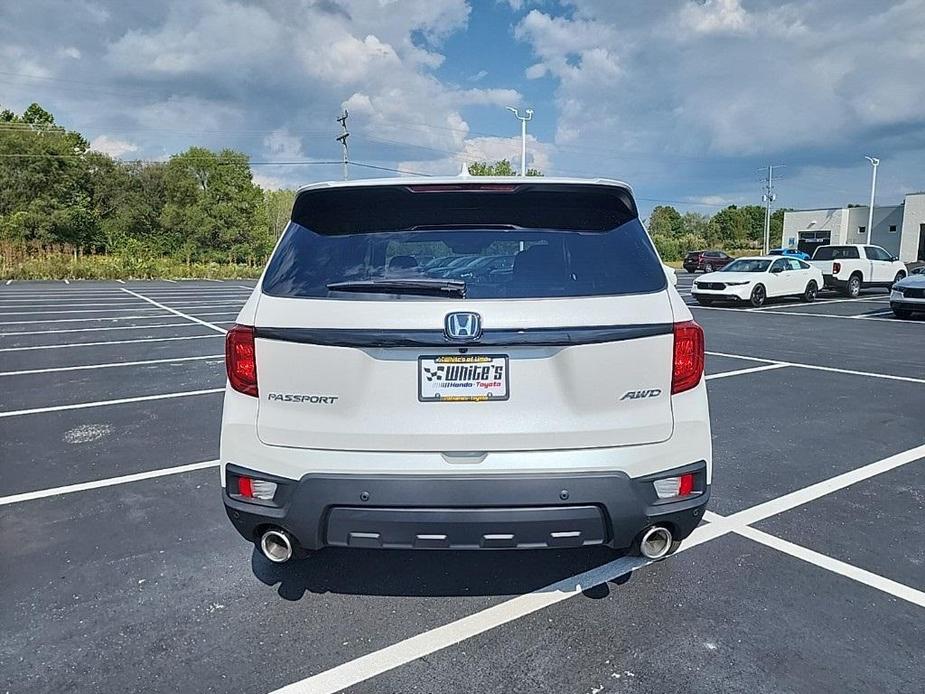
[(873, 189), (523, 136)]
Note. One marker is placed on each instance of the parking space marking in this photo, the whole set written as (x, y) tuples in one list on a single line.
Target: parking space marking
[(378, 662), (69, 300), (104, 403), (760, 512), (739, 372), (9, 282), (819, 302), (816, 367), (867, 316), (886, 585), (107, 318), (794, 313), (121, 281), (403, 652), (93, 330), (174, 311), (70, 345), (110, 365), (79, 310), (109, 482)]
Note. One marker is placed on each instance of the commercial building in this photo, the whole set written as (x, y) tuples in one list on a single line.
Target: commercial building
[(900, 229)]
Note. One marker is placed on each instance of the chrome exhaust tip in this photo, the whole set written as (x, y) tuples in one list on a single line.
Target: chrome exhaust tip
[(655, 542), (277, 545)]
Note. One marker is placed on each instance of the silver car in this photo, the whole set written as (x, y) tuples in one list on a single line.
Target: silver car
[(908, 296)]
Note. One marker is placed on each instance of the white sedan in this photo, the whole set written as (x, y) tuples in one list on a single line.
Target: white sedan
[(756, 279)]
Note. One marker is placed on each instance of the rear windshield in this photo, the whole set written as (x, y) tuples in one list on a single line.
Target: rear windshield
[(836, 253), (501, 250), (747, 265)]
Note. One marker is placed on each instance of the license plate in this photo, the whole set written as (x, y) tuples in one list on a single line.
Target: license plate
[(463, 378)]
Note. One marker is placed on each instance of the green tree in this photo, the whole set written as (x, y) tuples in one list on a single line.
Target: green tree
[(665, 220), (499, 168), (213, 206), (44, 194)]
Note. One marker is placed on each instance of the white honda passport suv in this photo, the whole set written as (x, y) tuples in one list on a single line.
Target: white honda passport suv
[(485, 363)]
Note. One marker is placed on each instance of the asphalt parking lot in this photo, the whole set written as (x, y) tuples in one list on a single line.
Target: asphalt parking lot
[(120, 572)]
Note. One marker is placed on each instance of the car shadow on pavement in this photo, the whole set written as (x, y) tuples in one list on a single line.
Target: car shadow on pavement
[(436, 573)]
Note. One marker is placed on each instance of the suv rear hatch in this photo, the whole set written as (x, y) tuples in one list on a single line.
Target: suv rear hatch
[(357, 348)]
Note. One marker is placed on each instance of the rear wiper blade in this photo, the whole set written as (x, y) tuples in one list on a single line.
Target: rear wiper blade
[(425, 287)]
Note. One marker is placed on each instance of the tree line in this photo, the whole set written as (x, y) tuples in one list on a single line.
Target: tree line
[(732, 228), (198, 206), (203, 207)]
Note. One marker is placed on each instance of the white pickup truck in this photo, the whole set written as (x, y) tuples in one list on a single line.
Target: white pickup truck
[(849, 268)]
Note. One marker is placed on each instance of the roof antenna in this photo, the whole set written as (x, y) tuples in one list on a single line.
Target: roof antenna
[(464, 172)]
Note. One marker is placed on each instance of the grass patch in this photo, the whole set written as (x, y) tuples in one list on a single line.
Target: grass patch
[(59, 266)]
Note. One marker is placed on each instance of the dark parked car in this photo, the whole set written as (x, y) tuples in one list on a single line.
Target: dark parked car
[(708, 261)]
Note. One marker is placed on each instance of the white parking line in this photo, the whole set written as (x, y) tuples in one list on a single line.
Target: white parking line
[(403, 652), (108, 342), (423, 644), (111, 319), (82, 310), (795, 313), (815, 367), (109, 482), (886, 585), (819, 302), (93, 330), (104, 403), (109, 365), (867, 316), (739, 372), (69, 301), (9, 282), (174, 311), (799, 497), (66, 282), (207, 305), (121, 281)]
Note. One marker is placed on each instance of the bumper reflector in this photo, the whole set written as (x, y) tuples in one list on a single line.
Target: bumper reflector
[(674, 486), (256, 489)]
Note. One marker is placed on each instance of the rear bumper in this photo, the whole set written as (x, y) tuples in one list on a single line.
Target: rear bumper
[(525, 511), (832, 282)]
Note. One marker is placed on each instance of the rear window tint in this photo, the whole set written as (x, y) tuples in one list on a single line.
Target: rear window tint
[(836, 253), (496, 243)]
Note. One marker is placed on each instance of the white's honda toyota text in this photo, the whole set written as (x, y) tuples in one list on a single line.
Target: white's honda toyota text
[(464, 364)]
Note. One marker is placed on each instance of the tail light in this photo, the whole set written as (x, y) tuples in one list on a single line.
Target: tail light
[(251, 488), (241, 359), (836, 268), (670, 487), (687, 369)]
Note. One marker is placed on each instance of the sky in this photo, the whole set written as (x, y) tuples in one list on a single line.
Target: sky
[(686, 100)]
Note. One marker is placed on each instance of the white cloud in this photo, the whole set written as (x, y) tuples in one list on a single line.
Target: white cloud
[(490, 149), (71, 52), (112, 146), (715, 17), (478, 76), (282, 144), (729, 78)]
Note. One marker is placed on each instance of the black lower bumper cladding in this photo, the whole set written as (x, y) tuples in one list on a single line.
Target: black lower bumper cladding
[(506, 511)]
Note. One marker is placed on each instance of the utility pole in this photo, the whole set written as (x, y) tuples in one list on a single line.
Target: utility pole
[(768, 198), (873, 190), (523, 135), (342, 138)]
